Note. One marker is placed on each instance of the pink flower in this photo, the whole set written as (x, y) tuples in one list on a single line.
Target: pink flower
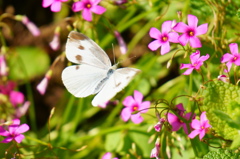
[(14, 131), (196, 62), (16, 98), (88, 6), (55, 43), (7, 88), (55, 4), (20, 111), (201, 127), (42, 86), (159, 125), (163, 38), (108, 155), (191, 31), (223, 78), (231, 58), (3, 66), (133, 104), (156, 150), (31, 26), (121, 42), (176, 122), (120, 2)]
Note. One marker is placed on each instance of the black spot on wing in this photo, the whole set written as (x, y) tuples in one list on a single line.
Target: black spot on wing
[(78, 58), (76, 36), (81, 47)]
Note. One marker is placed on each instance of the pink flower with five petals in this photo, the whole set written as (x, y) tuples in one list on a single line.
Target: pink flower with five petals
[(201, 127), (163, 38), (14, 132), (88, 6), (196, 62), (133, 104), (191, 31), (231, 58)]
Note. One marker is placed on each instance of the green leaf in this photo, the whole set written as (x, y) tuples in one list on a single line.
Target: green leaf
[(236, 142), (112, 141), (26, 63), (221, 101)]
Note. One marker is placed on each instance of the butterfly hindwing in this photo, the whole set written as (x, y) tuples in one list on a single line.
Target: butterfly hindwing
[(116, 82)]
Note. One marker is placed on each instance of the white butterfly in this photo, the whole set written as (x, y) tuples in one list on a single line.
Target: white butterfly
[(95, 73)]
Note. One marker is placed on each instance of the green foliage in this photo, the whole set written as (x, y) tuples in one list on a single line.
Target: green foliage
[(221, 102), (25, 63), (221, 154)]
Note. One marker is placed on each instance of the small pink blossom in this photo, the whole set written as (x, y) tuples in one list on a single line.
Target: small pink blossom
[(133, 104), (191, 31), (3, 66), (56, 5), (196, 62), (121, 42), (14, 131), (156, 150), (22, 110), (201, 127), (234, 57), (108, 155), (88, 6), (223, 78), (55, 43), (159, 125), (42, 86), (176, 123), (7, 88), (31, 26), (120, 2), (163, 38), (16, 98)]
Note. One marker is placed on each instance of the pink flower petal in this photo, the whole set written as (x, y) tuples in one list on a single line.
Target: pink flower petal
[(19, 138), (192, 21), (173, 37), (202, 134), (183, 39), (15, 122), (195, 42), (188, 71), (3, 132), (196, 124), (202, 29), (107, 155), (154, 45), (166, 26), (144, 106), (7, 140), (47, 3), (229, 65), (138, 97), (226, 57), (165, 48), (154, 33), (233, 48), (98, 9), (193, 134), (182, 66), (22, 128), (181, 27), (87, 15), (174, 121), (16, 98), (125, 114), (56, 6), (95, 2), (136, 118), (195, 56), (77, 6), (128, 101)]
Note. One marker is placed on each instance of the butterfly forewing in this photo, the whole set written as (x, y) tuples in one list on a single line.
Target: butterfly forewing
[(116, 82), (82, 80), (82, 50)]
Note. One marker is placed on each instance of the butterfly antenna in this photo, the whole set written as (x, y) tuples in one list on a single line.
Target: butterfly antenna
[(128, 58), (114, 60)]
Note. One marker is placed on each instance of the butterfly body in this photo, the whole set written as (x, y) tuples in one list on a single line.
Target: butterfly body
[(94, 72)]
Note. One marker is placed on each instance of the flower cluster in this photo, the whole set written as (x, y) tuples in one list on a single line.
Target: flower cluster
[(169, 33), (86, 6)]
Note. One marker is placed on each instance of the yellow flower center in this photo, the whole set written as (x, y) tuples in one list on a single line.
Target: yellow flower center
[(191, 33), (164, 38), (88, 5)]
